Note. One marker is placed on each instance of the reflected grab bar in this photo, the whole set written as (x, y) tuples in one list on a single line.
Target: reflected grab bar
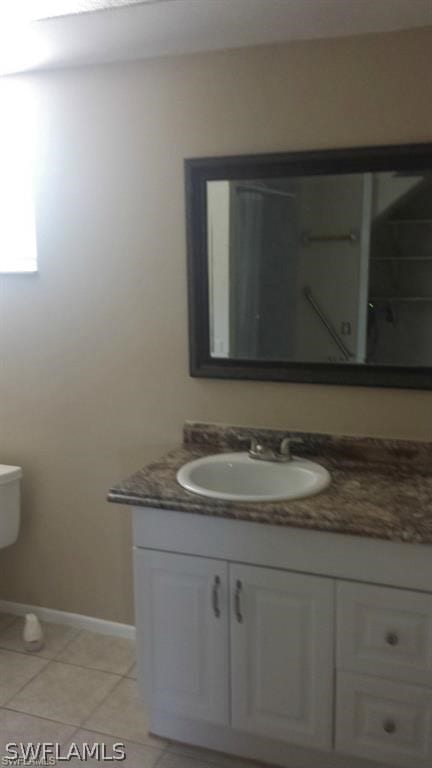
[(326, 322)]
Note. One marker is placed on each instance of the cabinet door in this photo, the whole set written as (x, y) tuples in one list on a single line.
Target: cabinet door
[(182, 634), (281, 655)]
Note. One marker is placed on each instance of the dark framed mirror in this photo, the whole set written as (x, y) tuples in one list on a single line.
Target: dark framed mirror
[(312, 266)]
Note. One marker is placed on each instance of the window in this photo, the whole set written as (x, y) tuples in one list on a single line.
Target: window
[(17, 214)]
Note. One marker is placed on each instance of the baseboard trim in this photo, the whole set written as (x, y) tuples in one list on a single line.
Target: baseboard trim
[(77, 620)]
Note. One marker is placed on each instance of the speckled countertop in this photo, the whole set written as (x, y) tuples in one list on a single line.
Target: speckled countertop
[(379, 488)]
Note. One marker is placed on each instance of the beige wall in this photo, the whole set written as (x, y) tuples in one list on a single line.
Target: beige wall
[(93, 351)]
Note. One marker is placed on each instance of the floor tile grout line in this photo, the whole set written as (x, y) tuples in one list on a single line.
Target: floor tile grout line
[(117, 736), (162, 748), (72, 737), (39, 717), (121, 675), (77, 728), (71, 640), (60, 722), (33, 677), (160, 758), (82, 725), (57, 656), (110, 692), (165, 749), (76, 633), (83, 666), (130, 668), (79, 632), (35, 653), (49, 659), (22, 652), (102, 701)]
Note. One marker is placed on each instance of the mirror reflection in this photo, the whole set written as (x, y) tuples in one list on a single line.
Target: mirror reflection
[(330, 268)]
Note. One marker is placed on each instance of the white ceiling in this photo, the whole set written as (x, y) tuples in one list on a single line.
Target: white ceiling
[(114, 30)]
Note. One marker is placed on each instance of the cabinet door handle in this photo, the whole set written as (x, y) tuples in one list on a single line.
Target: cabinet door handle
[(237, 602), (215, 596)]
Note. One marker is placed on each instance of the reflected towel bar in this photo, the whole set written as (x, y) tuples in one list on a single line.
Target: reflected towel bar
[(349, 237)]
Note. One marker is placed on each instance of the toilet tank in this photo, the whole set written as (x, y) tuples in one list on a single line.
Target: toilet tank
[(9, 504)]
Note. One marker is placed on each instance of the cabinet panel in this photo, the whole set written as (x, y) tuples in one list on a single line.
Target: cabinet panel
[(182, 634), (384, 721), (281, 654), (385, 632)]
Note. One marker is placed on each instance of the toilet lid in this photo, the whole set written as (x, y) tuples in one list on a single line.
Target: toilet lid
[(8, 473)]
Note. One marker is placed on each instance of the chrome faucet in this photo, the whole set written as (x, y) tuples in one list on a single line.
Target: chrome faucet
[(265, 453)]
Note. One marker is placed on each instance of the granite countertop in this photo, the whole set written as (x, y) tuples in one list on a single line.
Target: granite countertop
[(380, 488)]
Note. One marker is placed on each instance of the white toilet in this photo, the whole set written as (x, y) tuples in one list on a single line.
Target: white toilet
[(9, 504)]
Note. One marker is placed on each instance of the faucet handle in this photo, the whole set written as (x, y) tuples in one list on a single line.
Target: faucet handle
[(256, 448), (259, 451)]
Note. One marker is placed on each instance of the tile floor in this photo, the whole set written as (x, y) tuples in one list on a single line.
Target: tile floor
[(81, 688)]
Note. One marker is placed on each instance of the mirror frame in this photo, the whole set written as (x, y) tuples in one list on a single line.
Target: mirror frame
[(198, 172)]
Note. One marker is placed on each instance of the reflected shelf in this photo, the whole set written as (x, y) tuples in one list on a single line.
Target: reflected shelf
[(408, 221), (401, 258), (401, 298)]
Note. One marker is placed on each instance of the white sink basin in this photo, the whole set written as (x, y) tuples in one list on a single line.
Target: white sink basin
[(237, 477)]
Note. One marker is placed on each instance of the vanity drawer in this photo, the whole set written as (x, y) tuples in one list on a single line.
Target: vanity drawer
[(384, 721), (385, 632)]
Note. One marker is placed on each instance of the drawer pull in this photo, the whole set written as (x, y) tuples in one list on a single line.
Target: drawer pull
[(389, 726), (215, 596), (392, 638)]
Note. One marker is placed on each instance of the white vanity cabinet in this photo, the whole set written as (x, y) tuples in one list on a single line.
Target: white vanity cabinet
[(287, 646), (277, 642)]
